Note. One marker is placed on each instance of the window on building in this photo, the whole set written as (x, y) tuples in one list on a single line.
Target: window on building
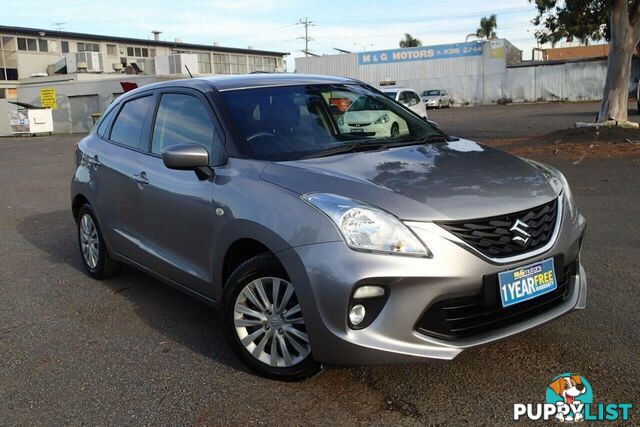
[(8, 59), (88, 47), (45, 45), (112, 50), (64, 46), (204, 63), (152, 53), (238, 64), (127, 129), (270, 64), (27, 44), (182, 119), (138, 52), (255, 63), (221, 64)]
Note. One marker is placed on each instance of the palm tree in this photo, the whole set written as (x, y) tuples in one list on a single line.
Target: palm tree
[(410, 41), (487, 28)]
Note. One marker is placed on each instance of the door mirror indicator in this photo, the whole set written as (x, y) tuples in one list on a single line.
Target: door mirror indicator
[(188, 157)]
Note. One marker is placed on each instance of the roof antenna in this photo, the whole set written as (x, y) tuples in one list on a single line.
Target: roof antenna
[(190, 75)]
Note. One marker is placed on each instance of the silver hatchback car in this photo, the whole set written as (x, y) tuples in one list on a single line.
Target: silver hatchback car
[(320, 244)]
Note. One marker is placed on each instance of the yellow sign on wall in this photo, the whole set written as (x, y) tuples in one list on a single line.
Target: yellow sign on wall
[(48, 98)]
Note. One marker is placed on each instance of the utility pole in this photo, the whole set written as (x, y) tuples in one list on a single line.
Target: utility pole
[(306, 37)]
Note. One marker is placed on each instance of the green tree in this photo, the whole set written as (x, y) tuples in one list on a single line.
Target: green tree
[(617, 21), (487, 29), (410, 41)]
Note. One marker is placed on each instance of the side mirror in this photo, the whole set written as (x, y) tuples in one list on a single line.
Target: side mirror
[(188, 157)]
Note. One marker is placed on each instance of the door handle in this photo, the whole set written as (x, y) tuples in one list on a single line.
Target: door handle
[(140, 178), (94, 161)]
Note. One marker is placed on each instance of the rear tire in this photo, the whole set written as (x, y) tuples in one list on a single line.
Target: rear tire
[(263, 323), (93, 251)]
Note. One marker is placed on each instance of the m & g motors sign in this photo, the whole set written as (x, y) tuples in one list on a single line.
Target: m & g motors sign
[(421, 53)]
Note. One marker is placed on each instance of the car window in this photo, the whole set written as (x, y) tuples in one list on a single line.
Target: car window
[(291, 122), (127, 129), (104, 121), (182, 119), (404, 97), (414, 99)]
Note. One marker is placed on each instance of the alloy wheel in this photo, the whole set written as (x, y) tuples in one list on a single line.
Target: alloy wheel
[(269, 323), (89, 241)]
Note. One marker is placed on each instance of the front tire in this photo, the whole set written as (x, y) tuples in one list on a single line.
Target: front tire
[(93, 251), (395, 131), (263, 322)]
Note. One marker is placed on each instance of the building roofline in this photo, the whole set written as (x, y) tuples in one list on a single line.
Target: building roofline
[(96, 37)]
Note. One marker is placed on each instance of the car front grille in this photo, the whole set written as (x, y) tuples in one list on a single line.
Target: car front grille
[(466, 317), (495, 237), (358, 125)]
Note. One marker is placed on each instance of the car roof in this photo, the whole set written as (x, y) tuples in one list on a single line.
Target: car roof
[(246, 81)]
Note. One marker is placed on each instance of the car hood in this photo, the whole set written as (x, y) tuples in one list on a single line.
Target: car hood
[(367, 116), (443, 181)]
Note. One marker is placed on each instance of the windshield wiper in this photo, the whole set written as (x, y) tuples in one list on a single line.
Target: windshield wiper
[(381, 144)]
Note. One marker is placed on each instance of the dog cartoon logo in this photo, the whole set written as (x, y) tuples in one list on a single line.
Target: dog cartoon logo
[(570, 393)]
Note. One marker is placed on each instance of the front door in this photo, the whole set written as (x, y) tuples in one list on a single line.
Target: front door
[(176, 205)]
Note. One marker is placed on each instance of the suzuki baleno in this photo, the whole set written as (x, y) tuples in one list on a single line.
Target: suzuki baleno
[(322, 242)]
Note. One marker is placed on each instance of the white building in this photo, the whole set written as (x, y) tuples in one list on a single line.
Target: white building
[(85, 70)]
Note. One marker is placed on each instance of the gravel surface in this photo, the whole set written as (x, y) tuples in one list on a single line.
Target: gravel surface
[(132, 350)]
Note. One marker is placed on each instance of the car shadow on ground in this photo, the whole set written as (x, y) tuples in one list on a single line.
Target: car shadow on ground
[(174, 315), (363, 391)]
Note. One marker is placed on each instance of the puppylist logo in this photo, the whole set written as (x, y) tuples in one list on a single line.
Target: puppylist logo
[(569, 399)]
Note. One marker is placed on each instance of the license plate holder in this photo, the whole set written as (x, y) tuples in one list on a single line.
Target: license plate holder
[(528, 282)]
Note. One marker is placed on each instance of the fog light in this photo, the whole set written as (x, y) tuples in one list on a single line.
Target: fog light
[(368, 292), (356, 315)]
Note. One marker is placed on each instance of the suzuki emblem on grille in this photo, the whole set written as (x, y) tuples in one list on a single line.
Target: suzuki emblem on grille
[(519, 231)]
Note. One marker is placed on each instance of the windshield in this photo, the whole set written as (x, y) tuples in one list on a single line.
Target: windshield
[(293, 122), (431, 93)]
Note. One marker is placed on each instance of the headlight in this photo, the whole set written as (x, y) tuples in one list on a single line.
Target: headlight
[(340, 121), (383, 119), (367, 228)]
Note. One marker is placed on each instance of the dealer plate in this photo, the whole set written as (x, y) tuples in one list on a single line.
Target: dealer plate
[(528, 282)]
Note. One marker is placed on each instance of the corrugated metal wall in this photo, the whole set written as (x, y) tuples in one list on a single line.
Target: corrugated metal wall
[(471, 80), (476, 80), (573, 81)]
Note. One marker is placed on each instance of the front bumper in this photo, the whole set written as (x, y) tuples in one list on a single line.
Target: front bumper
[(325, 276)]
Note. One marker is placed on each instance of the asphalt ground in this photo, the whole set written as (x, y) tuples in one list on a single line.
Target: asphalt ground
[(133, 351)]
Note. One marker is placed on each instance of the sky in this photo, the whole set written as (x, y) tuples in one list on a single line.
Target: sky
[(354, 25)]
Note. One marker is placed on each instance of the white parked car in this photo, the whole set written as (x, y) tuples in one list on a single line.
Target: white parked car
[(369, 117), (409, 98), (437, 98)]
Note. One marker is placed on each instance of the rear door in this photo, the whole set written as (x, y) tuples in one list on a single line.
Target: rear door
[(176, 205), (116, 161)]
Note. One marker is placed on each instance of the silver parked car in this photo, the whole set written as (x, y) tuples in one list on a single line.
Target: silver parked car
[(437, 98), (321, 244)]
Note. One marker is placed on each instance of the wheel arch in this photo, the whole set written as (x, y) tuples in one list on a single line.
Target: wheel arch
[(240, 241)]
